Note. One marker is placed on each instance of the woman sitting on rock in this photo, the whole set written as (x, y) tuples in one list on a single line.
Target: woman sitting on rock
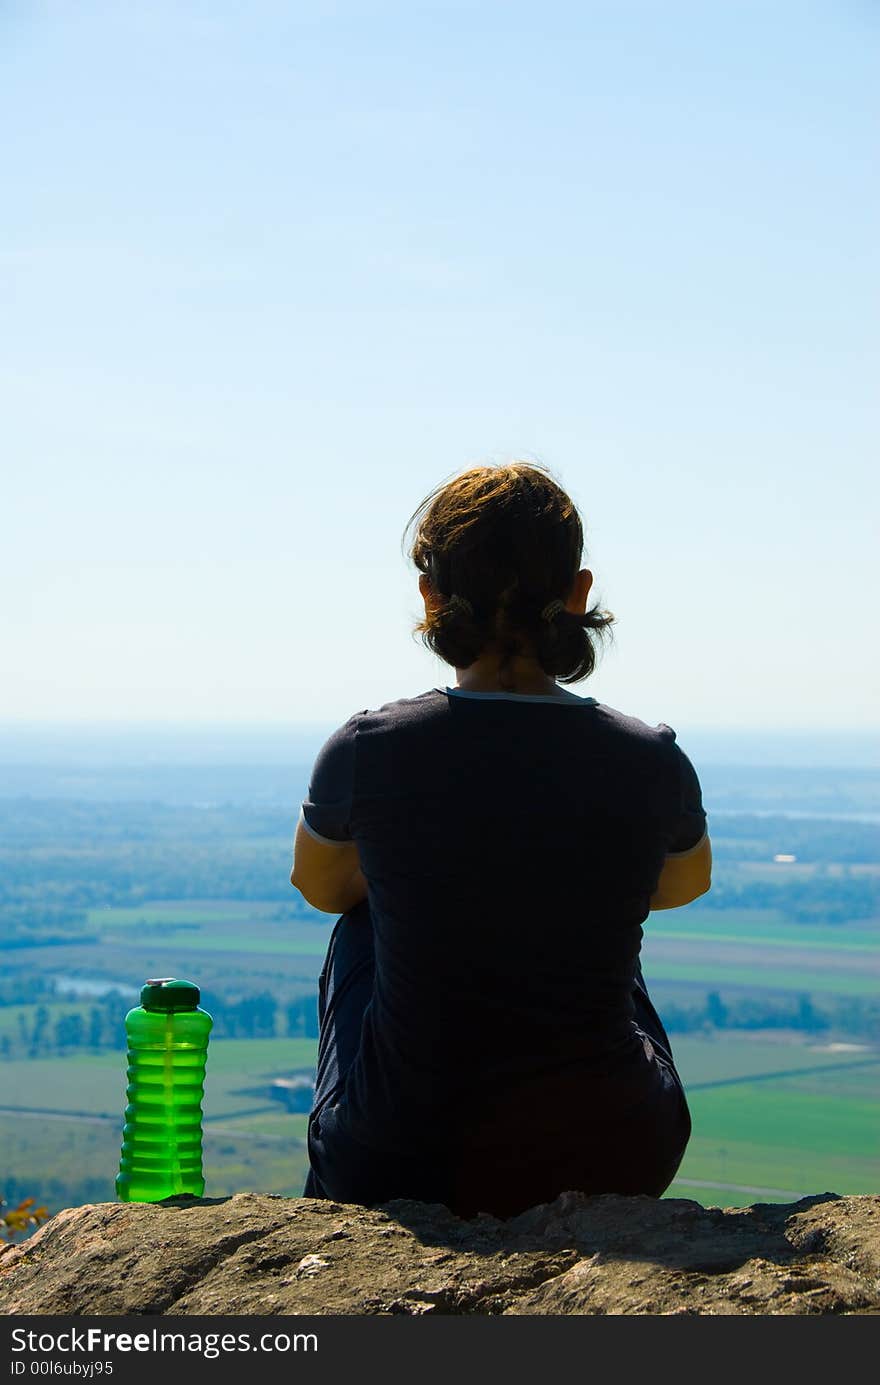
[(493, 849)]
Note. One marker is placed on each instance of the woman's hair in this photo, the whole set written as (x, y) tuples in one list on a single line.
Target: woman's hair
[(508, 540)]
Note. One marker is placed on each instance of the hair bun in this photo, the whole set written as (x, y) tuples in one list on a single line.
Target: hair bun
[(552, 609)]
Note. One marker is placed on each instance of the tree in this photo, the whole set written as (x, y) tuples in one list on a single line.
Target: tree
[(96, 1027), (302, 1017), (808, 1016), (70, 1031), (40, 1032), (255, 1015), (716, 1010)]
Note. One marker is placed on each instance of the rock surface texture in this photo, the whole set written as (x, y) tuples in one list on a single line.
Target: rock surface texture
[(256, 1254)]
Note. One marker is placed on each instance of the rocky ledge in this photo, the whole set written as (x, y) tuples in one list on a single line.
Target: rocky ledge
[(256, 1254)]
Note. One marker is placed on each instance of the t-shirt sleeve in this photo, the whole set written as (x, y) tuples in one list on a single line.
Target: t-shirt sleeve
[(689, 822), (326, 808)]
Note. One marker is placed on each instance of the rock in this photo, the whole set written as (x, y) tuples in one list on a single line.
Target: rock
[(256, 1254)]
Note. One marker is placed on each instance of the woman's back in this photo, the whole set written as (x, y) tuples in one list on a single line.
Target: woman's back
[(486, 1037), (511, 846)]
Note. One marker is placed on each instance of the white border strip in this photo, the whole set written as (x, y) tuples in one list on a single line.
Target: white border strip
[(328, 841)]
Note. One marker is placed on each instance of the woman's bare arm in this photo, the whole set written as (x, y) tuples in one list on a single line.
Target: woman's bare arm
[(327, 874), (684, 877)]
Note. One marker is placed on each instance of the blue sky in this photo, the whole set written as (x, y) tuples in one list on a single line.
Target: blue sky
[(269, 273)]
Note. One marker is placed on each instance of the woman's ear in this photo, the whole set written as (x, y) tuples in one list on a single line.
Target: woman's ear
[(577, 601), (429, 596)]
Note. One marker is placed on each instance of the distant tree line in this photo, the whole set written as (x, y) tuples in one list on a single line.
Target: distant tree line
[(821, 899), (41, 1032), (749, 837), (852, 1015)]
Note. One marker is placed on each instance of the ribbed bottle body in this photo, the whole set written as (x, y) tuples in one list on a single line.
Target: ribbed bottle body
[(162, 1136)]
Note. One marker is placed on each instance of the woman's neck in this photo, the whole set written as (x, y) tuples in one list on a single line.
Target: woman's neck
[(520, 675)]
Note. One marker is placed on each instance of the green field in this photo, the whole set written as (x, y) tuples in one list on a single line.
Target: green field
[(756, 925), (163, 915), (774, 1115), (825, 944), (770, 984), (767, 977), (809, 1123), (172, 930), (759, 1134), (65, 1162), (94, 1083), (782, 1140), (61, 1123), (758, 950), (710, 1059)]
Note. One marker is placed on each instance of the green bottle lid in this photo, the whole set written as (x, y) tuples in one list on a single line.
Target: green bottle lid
[(164, 993)]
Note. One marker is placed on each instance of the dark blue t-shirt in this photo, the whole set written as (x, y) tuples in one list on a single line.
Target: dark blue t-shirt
[(511, 845)]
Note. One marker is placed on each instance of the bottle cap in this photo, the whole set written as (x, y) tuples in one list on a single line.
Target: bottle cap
[(164, 993)]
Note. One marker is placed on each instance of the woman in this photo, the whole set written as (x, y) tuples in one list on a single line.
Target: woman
[(493, 848)]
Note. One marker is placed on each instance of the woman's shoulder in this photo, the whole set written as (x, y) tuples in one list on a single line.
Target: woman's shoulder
[(403, 706), (635, 740), (397, 710), (627, 724)]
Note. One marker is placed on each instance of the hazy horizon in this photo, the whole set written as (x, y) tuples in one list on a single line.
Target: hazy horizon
[(239, 743)]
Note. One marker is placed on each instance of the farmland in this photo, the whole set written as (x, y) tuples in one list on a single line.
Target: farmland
[(783, 1118), (769, 986)]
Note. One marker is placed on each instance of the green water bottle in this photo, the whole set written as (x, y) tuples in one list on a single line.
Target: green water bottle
[(162, 1137)]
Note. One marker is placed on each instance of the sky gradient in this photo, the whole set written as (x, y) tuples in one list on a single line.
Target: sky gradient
[(271, 272)]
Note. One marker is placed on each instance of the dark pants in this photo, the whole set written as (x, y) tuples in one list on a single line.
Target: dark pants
[(641, 1154)]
